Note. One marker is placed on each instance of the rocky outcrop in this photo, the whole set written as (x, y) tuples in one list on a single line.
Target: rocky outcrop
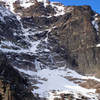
[(37, 9), (76, 34), (8, 24), (5, 93), (12, 85)]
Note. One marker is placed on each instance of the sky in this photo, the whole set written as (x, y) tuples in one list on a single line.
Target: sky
[(95, 4)]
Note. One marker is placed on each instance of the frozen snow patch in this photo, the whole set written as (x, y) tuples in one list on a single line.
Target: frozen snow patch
[(60, 10), (98, 45), (54, 80)]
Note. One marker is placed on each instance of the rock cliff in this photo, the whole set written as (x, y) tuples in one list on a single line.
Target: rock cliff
[(12, 85), (39, 42)]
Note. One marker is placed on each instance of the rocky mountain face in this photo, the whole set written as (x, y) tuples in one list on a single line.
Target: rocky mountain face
[(39, 42), (12, 85), (76, 33)]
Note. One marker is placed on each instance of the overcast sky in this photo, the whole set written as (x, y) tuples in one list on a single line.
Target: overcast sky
[(95, 4)]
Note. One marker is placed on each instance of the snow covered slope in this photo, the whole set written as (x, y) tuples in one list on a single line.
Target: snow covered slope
[(53, 82)]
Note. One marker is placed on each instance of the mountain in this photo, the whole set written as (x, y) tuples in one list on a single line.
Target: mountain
[(49, 51)]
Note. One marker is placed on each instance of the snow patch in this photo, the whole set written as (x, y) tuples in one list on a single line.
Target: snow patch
[(10, 3), (34, 46), (60, 10), (74, 74), (76, 91), (54, 80), (26, 4), (95, 23), (98, 45)]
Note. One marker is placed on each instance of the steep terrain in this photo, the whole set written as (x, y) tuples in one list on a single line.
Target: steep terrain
[(12, 85), (41, 44)]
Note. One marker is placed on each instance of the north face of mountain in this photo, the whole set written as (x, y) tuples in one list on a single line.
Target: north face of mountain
[(41, 41)]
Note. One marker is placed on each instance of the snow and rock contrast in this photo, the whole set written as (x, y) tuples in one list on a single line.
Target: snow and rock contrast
[(42, 43)]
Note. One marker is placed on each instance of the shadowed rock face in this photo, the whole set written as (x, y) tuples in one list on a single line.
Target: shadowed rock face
[(77, 35), (12, 84), (8, 72)]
